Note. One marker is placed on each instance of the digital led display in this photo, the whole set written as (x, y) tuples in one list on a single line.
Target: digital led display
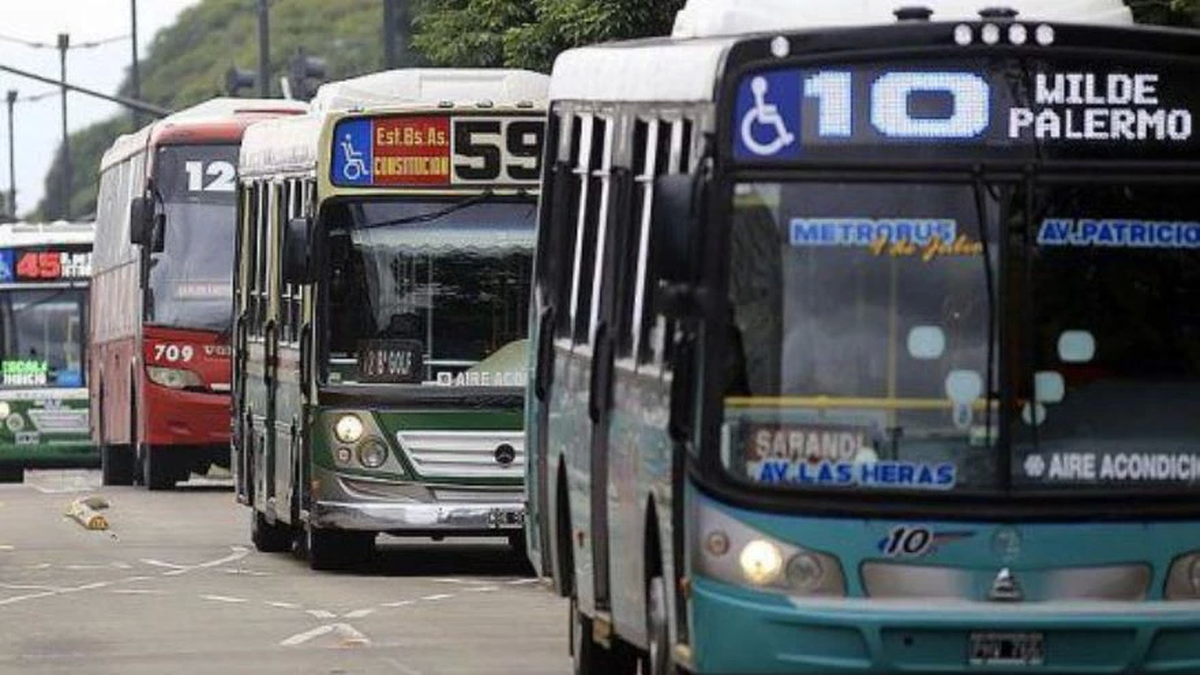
[(33, 265), (987, 106), (436, 151)]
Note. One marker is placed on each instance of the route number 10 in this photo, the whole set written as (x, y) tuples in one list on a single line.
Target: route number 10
[(890, 94)]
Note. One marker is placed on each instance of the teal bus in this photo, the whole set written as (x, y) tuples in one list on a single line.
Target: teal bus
[(45, 269), (869, 343)]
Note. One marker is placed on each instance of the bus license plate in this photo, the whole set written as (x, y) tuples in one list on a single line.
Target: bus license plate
[(506, 518), (1007, 649)]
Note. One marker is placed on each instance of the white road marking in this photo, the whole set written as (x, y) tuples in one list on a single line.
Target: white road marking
[(6, 547), (39, 566), (105, 566), (322, 614), (223, 598), (88, 587), (159, 563), (481, 589), (128, 580), (283, 605), (438, 596), (301, 638), (28, 587), (400, 603), (18, 598), (249, 573), (238, 553), (522, 582), (359, 613), (137, 591)]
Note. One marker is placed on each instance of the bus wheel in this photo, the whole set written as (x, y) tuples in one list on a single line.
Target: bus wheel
[(658, 639), (116, 465), (336, 549), (12, 474), (268, 537), (157, 472)]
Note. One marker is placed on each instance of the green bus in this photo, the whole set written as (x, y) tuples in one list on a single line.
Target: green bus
[(44, 273), (381, 307)]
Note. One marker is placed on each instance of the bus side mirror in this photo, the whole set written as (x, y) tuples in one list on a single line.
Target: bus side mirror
[(674, 217), (141, 220), (296, 265)]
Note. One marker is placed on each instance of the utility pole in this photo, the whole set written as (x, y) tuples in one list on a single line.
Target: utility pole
[(12, 158), (389, 34), (134, 77), (64, 42), (264, 51)]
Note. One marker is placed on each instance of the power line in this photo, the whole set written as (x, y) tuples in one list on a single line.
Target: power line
[(89, 44)]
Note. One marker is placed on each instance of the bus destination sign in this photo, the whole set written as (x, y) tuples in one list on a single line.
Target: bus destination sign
[(437, 151), (967, 107), (23, 265)]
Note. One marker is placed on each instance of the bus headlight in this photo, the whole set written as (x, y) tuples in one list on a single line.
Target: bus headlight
[(173, 378), (761, 561), (1183, 579), (348, 428), (372, 453)]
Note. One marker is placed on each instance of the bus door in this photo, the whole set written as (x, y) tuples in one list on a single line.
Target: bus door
[(610, 273), (279, 459)]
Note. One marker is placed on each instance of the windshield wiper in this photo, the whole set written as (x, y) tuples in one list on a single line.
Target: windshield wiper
[(980, 189), (434, 215)]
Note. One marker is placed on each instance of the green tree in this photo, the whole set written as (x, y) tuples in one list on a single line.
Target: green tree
[(530, 33), (1166, 12)]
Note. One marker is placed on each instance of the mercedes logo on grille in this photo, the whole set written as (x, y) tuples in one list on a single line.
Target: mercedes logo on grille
[(505, 454)]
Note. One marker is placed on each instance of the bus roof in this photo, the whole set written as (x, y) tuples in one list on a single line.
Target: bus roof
[(281, 145), (435, 87), (707, 18), (218, 119), (22, 234), (683, 67)]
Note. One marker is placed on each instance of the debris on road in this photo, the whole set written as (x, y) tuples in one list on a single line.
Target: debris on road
[(85, 511)]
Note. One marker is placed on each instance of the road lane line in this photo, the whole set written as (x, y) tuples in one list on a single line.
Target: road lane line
[(301, 638), (351, 635), (359, 613), (159, 563), (87, 587), (282, 605), (28, 587), (400, 603), (6, 547), (322, 614), (522, 582), (481, 589), (223, 598), (438, 596), (137, 591), (31, 596)]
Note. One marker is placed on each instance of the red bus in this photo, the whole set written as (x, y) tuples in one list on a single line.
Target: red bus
[(159, 360)]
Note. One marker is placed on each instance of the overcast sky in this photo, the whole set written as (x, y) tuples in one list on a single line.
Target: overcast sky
[(39, 123)]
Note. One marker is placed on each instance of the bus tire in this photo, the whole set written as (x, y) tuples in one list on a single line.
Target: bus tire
[(270, 537), (658, 632), (157, 471), (331, 550), (116, 465), (12, 474)]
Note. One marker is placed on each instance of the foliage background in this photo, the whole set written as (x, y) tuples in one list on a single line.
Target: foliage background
[(187, 61)]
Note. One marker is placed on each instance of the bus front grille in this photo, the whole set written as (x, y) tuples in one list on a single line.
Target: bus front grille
[(465, 454)]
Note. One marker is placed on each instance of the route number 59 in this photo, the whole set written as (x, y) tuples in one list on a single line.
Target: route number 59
[(491, 150)]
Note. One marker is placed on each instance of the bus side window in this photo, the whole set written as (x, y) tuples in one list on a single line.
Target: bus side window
[(258, 261), (590, 152), (633, 306), (598, 218), (653, 339), (564, 223)]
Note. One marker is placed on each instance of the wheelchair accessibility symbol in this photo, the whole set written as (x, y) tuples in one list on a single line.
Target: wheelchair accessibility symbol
[(764, 114), (353, 165)]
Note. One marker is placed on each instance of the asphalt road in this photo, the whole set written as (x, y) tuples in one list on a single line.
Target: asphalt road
[(174, 586)]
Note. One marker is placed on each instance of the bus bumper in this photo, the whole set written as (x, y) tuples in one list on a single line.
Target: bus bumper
[(737, 630), (353, 503), (186, 418)]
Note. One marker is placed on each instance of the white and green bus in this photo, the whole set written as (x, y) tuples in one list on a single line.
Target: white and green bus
[(45, 269), (384, 258)]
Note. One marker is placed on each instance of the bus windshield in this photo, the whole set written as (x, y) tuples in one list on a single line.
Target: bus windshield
[(430, 292), (862, 316), (191, 279), (41, 337)]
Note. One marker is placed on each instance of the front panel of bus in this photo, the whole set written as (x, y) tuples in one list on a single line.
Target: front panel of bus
[(425, 241), (43, 328), (188, 298), (953, 381)]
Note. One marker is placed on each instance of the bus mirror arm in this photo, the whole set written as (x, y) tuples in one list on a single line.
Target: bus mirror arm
[(297, 265)]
